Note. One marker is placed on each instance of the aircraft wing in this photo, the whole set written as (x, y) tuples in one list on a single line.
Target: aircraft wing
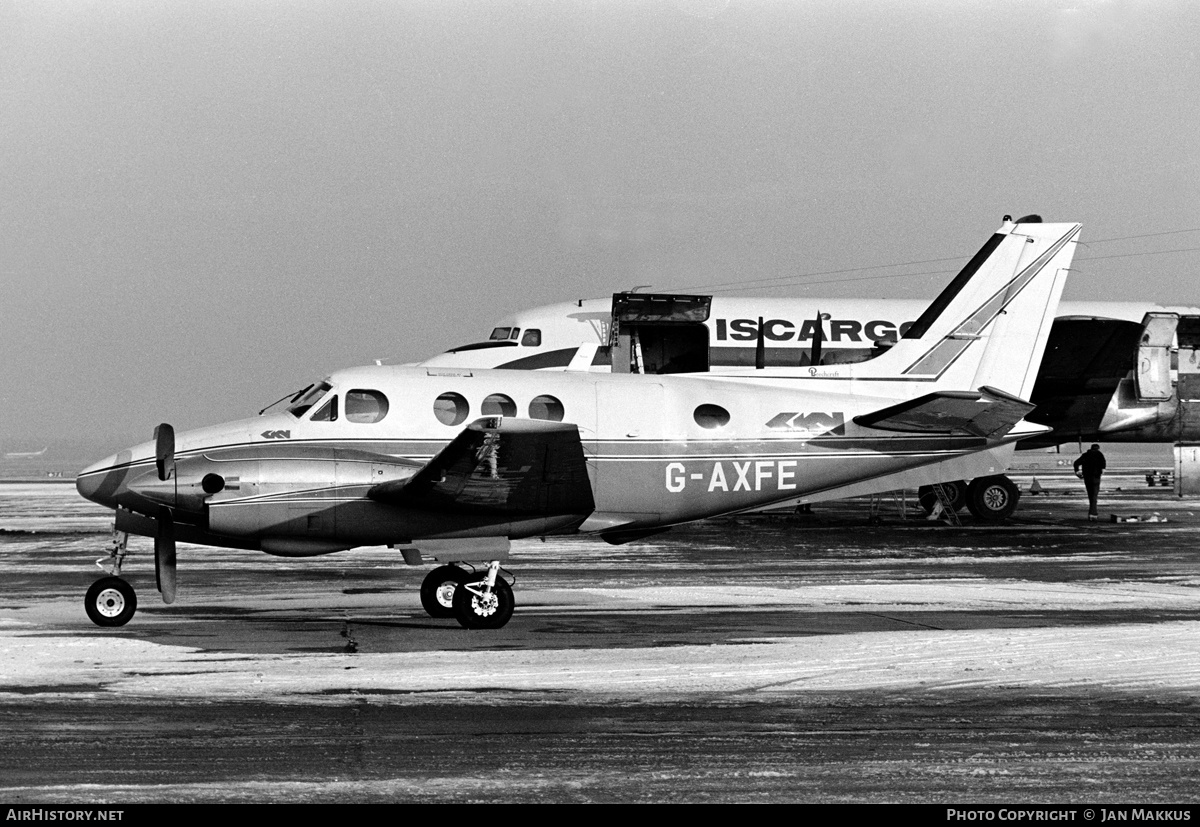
[(499, 465), (987, 412)]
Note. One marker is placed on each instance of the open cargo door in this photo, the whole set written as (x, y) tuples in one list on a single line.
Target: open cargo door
[(1152, 374), (659, 333)]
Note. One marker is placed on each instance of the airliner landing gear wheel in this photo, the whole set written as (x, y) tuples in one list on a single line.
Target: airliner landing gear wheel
[(992, 498), (437, 590), (110, 602), (483, 611), (957, 490)]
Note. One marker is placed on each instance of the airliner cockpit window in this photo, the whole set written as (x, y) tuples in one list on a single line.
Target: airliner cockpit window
[(532, 337), (365, 406), (501, 333), (310, 397)]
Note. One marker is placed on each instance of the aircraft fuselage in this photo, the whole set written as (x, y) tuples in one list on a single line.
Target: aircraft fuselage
[(657, 453)]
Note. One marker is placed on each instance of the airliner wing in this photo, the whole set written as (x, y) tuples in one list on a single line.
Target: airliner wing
[(987, 412), (498, 465)]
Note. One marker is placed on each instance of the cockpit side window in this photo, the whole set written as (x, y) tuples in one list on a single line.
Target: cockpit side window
[(532, 337), (365, 405), (306, 400), (328, 411)]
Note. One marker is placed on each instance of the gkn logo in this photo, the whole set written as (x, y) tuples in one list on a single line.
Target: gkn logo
[(813, 423), (276, 434)]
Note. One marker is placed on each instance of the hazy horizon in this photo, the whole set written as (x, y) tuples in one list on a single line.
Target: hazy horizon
[(208, 205)]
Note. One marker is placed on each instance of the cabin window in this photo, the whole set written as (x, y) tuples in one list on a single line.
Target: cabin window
[(546, 407), (451, 409), (365, 406), (327, 412), (307, 398), (711, 416), (498, 405), (532, 338)]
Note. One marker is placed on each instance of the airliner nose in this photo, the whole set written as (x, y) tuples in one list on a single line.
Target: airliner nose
[(101, 481)]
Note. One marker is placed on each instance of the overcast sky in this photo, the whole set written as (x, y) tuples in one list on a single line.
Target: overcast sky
[(205, 205)]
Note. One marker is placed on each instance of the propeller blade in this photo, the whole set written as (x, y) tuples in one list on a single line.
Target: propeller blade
[(818, 338), (760, 348), (164, 451), (164, 554)]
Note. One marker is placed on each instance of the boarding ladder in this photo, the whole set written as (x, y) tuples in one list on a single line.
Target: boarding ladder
[(944, 508)]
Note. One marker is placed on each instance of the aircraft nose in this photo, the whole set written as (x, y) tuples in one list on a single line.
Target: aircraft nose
[(101, 481)]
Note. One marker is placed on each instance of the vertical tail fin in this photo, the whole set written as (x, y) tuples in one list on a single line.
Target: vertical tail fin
[(990, 325)]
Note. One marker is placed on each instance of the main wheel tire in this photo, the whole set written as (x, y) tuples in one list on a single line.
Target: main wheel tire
[(438, 587), (491, 612), (110, 602), (957, 490), (992, 499)]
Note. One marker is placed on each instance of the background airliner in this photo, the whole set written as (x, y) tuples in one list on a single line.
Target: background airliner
[(1112, 372)]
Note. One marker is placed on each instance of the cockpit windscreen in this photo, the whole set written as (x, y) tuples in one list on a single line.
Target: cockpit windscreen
[(308, 399)]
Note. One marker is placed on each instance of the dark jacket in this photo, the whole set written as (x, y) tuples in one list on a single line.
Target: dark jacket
[(1091, 463)]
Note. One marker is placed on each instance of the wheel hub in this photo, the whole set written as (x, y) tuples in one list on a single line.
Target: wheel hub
[(995, 498), (110, 603), (445, 593), (485, 605)]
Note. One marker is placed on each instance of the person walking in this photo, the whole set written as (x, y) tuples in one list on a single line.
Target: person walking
[(1089, 468)]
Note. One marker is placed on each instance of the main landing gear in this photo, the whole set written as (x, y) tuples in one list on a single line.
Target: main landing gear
[(437, 589), (111, 601), (475, 600), (992, 498), (989, 499)]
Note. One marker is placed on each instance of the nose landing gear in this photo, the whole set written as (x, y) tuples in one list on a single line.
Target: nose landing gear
[(111, 601)]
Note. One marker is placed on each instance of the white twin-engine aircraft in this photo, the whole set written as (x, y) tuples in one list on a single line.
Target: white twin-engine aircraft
[(454, 463)]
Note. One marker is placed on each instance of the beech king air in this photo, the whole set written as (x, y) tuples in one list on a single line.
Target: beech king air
[(454, 463), (1113, 371)]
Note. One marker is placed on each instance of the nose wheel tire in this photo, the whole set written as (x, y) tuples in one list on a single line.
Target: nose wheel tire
[(110, 602), (437, 590), (483, 611)]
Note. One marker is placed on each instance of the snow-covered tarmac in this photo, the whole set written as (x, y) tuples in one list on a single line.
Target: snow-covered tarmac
[(824, 612)]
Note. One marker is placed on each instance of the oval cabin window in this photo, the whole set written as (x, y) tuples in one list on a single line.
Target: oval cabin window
[(451, 409), (546, 407), (711, 416), (498, 405)]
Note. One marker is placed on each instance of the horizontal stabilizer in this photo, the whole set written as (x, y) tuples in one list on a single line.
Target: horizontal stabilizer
[(501, 466), (987, 412)]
